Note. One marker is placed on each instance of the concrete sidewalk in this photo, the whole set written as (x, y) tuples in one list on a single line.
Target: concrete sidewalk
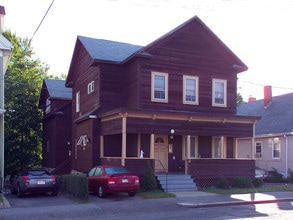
[(198, 199)]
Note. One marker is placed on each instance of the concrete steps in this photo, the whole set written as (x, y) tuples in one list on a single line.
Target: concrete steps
[(175, 182)]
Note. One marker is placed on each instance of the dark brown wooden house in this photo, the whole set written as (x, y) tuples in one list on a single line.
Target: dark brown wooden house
[(172, 102), (56, 101)]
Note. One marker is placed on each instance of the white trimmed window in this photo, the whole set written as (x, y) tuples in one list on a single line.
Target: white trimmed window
[(90, 87), (159, 87), (276, 148), (77, 101), (190, 90), (193, 147), (219, 92), (258, 149), (217, 147)]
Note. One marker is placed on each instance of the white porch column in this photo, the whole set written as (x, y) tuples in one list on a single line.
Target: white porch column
[(123, 156), (101, 146), (188, 147), (222, 148), (252, 142), (152, 147)]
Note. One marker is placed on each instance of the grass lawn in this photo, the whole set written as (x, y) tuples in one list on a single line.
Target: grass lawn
[(155, 194), (265, 188)]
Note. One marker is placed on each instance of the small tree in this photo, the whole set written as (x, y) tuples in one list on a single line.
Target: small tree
[(149, 181)]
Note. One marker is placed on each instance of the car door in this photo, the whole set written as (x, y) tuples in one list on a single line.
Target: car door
[(91, 181)]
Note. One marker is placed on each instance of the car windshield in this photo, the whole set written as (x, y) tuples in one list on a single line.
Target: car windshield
[(116, 170), (36, 172)]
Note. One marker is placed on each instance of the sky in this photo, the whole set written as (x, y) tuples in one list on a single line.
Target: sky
[(259, 32)]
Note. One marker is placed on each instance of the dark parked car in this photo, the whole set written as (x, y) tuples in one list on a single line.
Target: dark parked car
[(109, 179), (261, 173), (34, 181)]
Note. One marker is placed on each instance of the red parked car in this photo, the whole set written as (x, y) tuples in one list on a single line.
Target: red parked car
[(110, 178)]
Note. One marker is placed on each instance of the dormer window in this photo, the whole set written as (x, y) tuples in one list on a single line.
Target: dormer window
[(219, 92), (159, 87), (90, 87), (48, 106)]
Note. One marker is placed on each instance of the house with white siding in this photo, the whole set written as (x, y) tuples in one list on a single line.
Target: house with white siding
[(272, 145)]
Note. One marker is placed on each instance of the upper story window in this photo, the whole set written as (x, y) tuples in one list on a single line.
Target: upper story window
[(159, 87), (190, 90), (90, 87), (48, 106), (258, 149), (219, 92), (77, 101), (276, 148)]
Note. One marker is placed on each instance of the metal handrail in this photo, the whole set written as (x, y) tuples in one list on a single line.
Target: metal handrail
[(164, 170)]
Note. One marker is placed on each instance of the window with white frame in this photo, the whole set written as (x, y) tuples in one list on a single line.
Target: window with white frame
[(276, 148), (190, 90), (159, 87), (78, 101), (193, 147), (217, 147), (219, 92), (258, 149), (90, 87), (48, 106)]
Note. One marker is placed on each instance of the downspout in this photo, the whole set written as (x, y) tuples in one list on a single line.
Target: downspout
[(286, 160)]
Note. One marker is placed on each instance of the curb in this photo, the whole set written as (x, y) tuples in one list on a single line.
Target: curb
[(6, 203), (203, 205)]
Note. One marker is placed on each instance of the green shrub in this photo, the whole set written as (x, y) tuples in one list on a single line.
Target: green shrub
[(242, 182), (275, 176), (75, 185), (149, 181), (257, 182), (223, 183)]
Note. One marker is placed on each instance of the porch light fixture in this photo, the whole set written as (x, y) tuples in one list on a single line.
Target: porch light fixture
[(172, 131)]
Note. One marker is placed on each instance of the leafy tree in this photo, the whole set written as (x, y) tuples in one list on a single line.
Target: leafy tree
[(239, 99), (23, 131)]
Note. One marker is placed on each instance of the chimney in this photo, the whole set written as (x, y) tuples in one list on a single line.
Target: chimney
[(267, 95), (2, 13), (251, 99)]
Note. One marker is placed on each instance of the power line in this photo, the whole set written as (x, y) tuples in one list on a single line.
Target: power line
[(262, 85), (41, 22)]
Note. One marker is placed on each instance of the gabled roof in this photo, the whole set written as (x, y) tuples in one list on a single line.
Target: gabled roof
[(276, 118), (5, 44), (57, 89), (119, 53), (106, 50)]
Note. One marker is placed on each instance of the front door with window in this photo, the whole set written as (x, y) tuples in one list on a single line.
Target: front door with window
[(161, 153)]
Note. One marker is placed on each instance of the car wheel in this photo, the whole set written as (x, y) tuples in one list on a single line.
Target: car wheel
[(101, 192), (54, 192), (131, 194), (19, 192)]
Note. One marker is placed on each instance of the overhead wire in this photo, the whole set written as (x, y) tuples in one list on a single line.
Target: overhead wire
[(41, 22)]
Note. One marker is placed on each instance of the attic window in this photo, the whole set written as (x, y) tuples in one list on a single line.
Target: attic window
[(90, 87), (48, 106)]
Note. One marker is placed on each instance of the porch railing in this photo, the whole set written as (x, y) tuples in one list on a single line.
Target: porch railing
[(163, 170)]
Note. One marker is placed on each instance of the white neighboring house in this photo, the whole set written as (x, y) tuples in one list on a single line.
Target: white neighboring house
[(272, 146), (5, 53)]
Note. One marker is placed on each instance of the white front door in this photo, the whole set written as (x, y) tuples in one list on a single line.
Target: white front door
[(161, 153)]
